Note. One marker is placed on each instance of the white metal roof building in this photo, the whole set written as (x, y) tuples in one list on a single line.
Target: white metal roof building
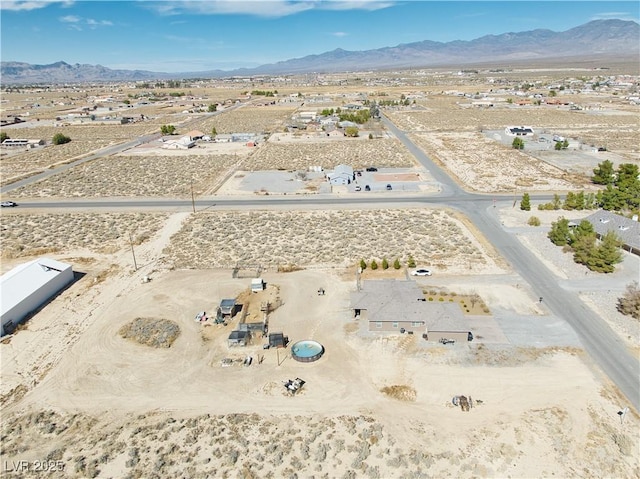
[(28, 287)]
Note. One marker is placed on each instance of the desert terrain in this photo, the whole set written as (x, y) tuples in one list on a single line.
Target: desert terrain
[(78, 396)]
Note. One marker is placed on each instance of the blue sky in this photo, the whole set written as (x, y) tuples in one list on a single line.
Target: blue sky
[(199, 35)]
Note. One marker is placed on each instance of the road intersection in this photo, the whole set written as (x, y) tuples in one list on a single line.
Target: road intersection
[(602, 343)]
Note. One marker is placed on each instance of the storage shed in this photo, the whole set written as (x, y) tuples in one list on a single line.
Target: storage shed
[(29, 286), (257, 284), (239, 338)]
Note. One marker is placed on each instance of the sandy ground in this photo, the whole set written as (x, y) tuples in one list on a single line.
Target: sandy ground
[(74, 391)]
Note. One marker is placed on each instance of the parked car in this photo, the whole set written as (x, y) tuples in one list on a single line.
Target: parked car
[(358, 188), (389, 187), (367, 188), (7, 204), (372, 168), (421, 272)]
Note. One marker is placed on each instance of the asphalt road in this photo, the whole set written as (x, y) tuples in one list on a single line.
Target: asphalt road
[(604, 346), (602, 343)]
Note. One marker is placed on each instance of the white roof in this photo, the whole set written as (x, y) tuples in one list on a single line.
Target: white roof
[(18, 284)]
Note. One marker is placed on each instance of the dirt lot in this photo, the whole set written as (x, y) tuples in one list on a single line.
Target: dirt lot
[(73, 390), (110, 407)]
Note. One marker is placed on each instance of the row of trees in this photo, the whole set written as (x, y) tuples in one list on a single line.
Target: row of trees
[(601, 256), (360, 116), (622, 190), (612, 198), (384, 264), (264, 93)]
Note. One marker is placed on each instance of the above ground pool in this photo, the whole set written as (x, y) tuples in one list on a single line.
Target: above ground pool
[(307, 351)]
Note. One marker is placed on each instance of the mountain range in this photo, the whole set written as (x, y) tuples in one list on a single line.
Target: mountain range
[(599, 39)]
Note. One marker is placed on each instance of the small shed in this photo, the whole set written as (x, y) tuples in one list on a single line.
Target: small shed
[(257, 284), (239, 338), (228, 307), (278, 340)]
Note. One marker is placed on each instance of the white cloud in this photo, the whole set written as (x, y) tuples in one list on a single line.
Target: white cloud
[(70, 19), (339, 34), (261, 8), (17, 5), (76, 23), (99, 23), (617, 15)]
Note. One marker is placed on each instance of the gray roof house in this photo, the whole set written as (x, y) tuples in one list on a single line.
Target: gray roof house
[(401, 306), (341, 175), (627, 230)]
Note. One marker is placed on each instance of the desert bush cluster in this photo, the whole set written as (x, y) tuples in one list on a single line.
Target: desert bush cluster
[(222, 239), (157, 445), (485, 165), (22, 235), (153, 332), (329, 153), (445, 114), (266, 119), (35, 160), (149, 176)]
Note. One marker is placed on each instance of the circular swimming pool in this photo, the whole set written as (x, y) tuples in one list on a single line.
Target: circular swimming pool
[(307, 351)]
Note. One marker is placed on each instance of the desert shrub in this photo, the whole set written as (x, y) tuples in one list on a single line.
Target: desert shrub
[(363, 264), (534, 221), (411, 263), (385, 263), (430, 298), (440, 298), (629, 303), (157, 333), (374, 265), (396, 264), (60, 139)]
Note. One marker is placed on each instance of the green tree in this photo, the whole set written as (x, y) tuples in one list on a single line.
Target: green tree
[(584, 229), (60, 139), (374, 265), (411, 263), (611, 199), (371, 136), (553, 93), (214, 132), (565, 144), (3, 136), (385, 263), (603, 174), (557, 202), (518, 144), (534, 221), (351, 131), (213, 107), (167, 129), (558, 146), (525, 203), (363, 265), (584, 248), (126, 102), (396, 264), (559, 233), (607, 254)]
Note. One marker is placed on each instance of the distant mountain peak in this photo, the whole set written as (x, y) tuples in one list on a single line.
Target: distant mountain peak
[(604, 38)]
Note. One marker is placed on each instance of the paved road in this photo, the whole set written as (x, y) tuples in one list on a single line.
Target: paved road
[(603, 344), (598, 339)]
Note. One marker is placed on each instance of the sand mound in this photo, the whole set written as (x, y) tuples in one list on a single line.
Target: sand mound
[(400, 392), (157, 333)]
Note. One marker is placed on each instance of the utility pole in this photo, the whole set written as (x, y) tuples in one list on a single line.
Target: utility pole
[(135, 265), (193, 201)]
